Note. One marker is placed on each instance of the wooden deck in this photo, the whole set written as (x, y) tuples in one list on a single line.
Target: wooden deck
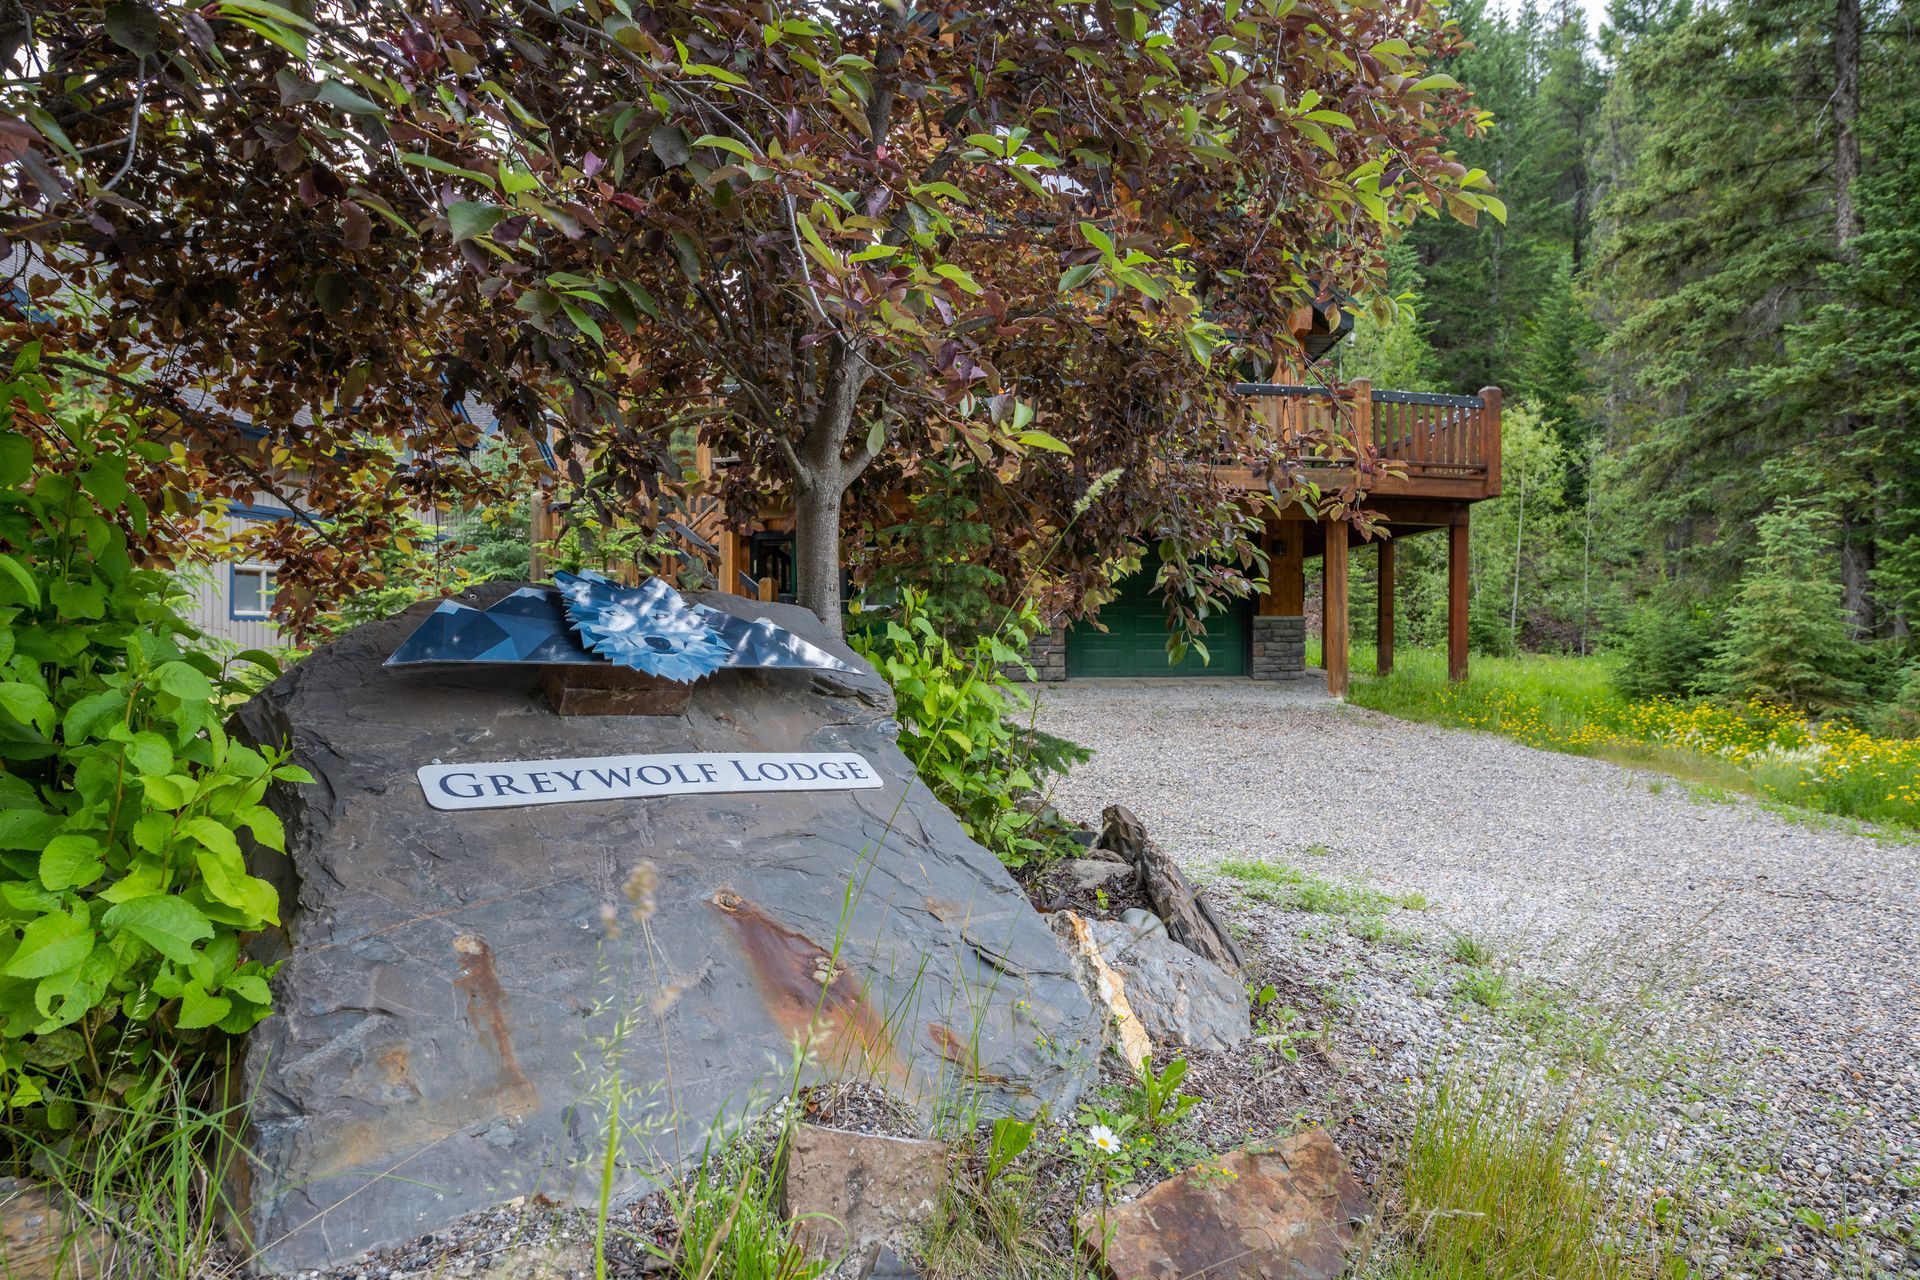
[(1425, 445), (1428, 459)]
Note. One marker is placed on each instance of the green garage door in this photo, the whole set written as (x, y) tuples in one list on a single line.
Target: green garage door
[(1135, 641)]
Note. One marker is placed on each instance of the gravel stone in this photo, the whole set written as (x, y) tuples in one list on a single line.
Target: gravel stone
[(1769, 962)]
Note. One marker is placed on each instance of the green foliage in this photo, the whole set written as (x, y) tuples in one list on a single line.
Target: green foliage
[(941, 547), (957, 713), (157, 1165), (1160, 1104), (1552, 373), (1785, 638), (731, 1227), (496, 541), (1664, 646), (1499, 1185), (123, 886)]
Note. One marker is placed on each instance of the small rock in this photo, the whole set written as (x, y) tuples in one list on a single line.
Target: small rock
[(888, 1265), (847, 1191), (1088, 874), (1249, 1215), (42, 1241), (1177, 996), (1142, 920), (549, 1261)]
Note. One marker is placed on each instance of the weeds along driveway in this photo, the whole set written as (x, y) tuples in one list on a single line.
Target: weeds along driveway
[(1777, 960)]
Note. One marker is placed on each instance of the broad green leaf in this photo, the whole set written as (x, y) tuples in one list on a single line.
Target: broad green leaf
[(265, 825), (18, 576), (335, 94), (52, 944), (583, 322), (27, 828), (72, 860), (27, 705), (1437, 81), (733, 145), (183, 682), (1074, 277), (1041, 440), (245, 893), (198, 1009), (150, 753), (106, 480), (168, 924), (93, 711), (250, 986), (267, 9), (438, 165), (470, 218), (16, 458), (1096, 237), (168, 790), (211, 834)]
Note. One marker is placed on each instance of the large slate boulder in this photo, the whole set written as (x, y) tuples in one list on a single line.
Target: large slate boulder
[(463, 991)]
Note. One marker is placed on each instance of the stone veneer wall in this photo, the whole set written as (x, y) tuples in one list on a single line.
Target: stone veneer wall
[(1048, 655), (1279, 648)]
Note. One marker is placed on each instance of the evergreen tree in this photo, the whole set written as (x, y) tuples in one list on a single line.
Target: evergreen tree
[(1552, 374), (1787, 638), (1861, 348)]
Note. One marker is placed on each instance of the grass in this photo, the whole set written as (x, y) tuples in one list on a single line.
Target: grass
[(1499, 1185), (1569, 704), (1299, 890), (143, 1178)]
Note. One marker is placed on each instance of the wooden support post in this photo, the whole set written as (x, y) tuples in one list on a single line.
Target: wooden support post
[(1361, 389), (1286, 595), (1490, 436), (540, 532), (1457, 599), (1384, 649), (1334, 608), (766, 589)]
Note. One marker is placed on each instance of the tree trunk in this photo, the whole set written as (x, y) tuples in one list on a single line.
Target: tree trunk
[(816, 547), (1846, 111), (1857, 532), (822, 473)]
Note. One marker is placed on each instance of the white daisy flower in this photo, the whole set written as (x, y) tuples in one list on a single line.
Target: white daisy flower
[(1103, 1139)]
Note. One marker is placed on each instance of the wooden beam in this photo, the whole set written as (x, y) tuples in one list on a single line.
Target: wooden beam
[(1384, 648), (1333, 622), (1457, 602)]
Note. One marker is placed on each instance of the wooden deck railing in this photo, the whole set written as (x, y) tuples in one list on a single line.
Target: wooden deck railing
[(1439, 446)]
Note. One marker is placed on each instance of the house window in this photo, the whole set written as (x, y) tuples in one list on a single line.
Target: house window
[(250, 592)]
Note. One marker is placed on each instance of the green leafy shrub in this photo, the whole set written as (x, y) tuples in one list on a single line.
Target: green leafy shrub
[(123, 888), (957, 713)]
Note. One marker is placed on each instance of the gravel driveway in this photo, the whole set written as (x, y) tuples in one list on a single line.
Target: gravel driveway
[(1783, 956)]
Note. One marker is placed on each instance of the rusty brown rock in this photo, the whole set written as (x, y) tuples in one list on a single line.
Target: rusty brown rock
[(849, 1192), (39, 1240), (1290, 1212)]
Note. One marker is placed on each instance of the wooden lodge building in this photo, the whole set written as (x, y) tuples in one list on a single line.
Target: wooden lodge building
[(1444, 456)]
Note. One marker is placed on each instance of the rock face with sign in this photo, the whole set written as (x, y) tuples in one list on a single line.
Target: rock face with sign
[(499, 917)]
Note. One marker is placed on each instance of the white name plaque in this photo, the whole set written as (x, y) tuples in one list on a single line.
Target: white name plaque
[(505, 783)]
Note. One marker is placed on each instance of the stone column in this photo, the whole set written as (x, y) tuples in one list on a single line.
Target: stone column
[(1279, 648)]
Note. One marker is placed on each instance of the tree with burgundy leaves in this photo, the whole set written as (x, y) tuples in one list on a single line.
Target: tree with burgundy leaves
[(829, 242)]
